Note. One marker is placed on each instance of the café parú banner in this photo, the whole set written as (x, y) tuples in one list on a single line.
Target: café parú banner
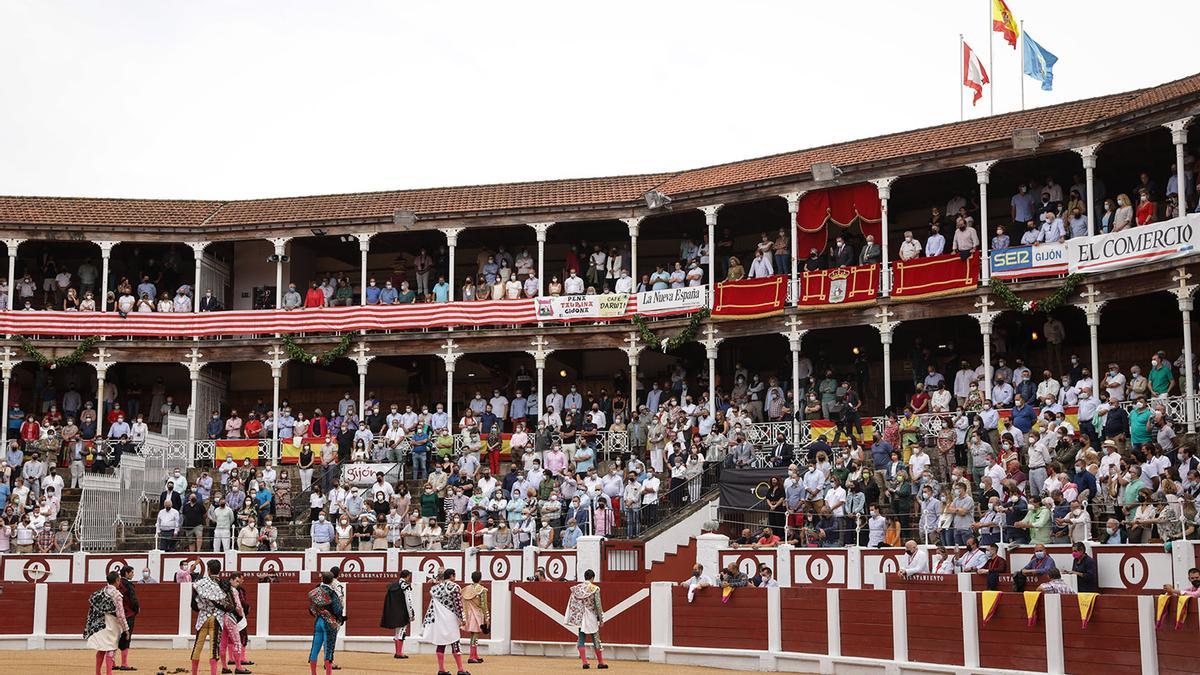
[(569, 307), (364, 474), (1173, 238)]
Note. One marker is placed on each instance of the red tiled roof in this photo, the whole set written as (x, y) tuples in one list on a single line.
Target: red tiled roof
[(552, 194), (541, 194), (82, 211)]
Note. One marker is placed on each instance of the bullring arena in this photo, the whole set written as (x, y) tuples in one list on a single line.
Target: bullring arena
[(922, 402)]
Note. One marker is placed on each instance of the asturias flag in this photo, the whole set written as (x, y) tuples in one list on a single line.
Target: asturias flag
[(1003, 22), (1038, 63)]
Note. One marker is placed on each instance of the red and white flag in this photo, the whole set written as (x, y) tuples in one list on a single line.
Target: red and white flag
[(974, 74)]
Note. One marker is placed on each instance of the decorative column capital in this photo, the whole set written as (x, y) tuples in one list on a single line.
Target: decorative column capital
[(982, 170), (450, 354), (632, 224), (540, 230), (275, 361), (106, 247), (884, 186), (885, 326), (364, 240), (6, 361), (1092, 305), (197, 247), (13, 245), (985, 316), (539, 351), (633, 348), (452, 235), (102, 362), (194, 364), (793, 200), (712, 342), (1179, 130), (279, 243), (710, 213), (1088, 154), (795, 333), (1184, 291), (361, 358)]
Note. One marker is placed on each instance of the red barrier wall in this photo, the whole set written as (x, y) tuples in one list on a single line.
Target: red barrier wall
[(364, 606), (866, 623), (935, 631), (1177, 648), (628, 626), (1007, 642), (159, 609), (741, 622), (805, 628), (289, 610), (1110, 639), (69, 606), (16, 606)]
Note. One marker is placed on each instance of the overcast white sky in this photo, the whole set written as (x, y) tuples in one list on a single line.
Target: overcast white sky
[(270, 98)]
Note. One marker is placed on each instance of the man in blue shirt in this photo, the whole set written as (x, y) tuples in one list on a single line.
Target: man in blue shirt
[(1023, 415), (372, 292), (1021, 206), (388, 295), (419, 445), (518, 408), (441, 290), (321, 532)]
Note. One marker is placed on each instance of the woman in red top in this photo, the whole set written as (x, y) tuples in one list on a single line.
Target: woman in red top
[(30, 430), (315, 297), (1145, 210)]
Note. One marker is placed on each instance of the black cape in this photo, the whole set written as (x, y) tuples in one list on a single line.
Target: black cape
[(395, 608)]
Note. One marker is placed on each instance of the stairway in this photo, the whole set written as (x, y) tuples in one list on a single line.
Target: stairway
[(676, 565)]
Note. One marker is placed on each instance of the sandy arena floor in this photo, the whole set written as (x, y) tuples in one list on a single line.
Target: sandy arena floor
[(293, 662)]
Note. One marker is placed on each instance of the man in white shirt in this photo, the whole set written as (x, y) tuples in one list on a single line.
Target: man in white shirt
[(876, 528), (1052, 231), (649, 512), (1039, 458), (910, 248), (919, 461), (914, 561), (962, 382), (624, 283), (573, 285), (936, 243), (1114, 382), (168, 526), (499, 404)]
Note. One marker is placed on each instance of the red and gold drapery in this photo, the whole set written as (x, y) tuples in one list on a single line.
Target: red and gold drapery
[(939, 275), (839, 287), (750, 298), (842, 207)]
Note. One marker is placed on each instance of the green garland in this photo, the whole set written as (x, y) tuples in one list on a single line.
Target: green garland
[(685, 336), (71, 359), (1048, 304), (298, 353)]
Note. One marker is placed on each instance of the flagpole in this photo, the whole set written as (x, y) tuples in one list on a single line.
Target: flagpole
[(1021, 65), (961, 60), (991, 70)]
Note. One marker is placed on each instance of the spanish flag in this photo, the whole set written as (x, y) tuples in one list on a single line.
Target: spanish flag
[(1004, 23), (1181, 610), (1031, 604), (1087, 605)]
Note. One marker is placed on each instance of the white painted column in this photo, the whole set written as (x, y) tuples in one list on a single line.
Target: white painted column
[(101, 365), (198, 255), (632, 349), (450, 355), (795, 336), (982, 173), (900, 625), (774, 621), (364, 250), (886, 327), (661, 620), (363, 361), (587, 555), (1183, 293), (970, 621), (452, 244), (539, 354), (275, 363), (1147, 634), (985, 316), (280, 244), (540, 229), (262, 619), (106, 248), (1179, 129), (634, 226), (13, 245), (833, 621), (1088, 154), (501, 611), (710, 219), (711, 345), (793, 203), (884, 187), (708, 552), (1052, 608), (6, 370), (1092, 309), (194, 366)]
